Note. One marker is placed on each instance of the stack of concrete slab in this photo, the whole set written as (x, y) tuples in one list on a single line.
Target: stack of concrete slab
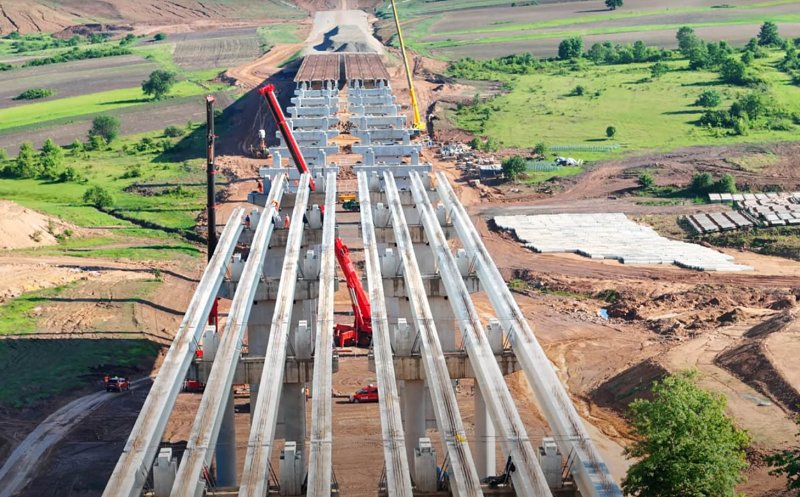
[(719, 221), (778, 209), (612, 236)]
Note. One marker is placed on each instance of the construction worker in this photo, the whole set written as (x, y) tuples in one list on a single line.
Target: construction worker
[(286, 221), (247, 222), (259, 186), (276, 219)]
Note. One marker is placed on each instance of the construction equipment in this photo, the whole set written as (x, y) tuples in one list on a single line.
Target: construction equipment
[(417, 121), (272, 102), (351, 205), (360, 333), (260, 151), (344, 197)]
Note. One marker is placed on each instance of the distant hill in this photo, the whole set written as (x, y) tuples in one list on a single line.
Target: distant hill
[(29, 16)]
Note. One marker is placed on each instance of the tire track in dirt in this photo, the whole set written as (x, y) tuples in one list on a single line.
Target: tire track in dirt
[(23, 461)]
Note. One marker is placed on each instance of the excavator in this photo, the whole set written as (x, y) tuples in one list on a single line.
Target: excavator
[(360, 332)]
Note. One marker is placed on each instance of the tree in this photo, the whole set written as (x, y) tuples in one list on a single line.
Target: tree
[(50, 158), (768, 35), (540, 149), (658, 69), (106, 127), (787, 462), (25, 166), (613, 4), (611, 131), (726, 184), (701, 183), (160, 37), (513, 166), (687, 40), (571, 48), (686, 444), (646, 180), (158, 84), (733, 72), (98, 197), (708, 99)]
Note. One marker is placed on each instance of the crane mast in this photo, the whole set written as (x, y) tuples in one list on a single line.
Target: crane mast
[(418, 124)]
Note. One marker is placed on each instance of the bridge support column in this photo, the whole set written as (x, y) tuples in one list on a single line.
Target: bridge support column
[(226, 447), (292, 423), (258, 337), (444, 320), (413, 401), (485, 455)]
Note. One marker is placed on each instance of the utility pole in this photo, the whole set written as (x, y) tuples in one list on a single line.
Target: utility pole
[(210, 172)]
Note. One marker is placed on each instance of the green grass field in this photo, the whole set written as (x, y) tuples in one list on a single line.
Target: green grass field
[(648, 114), (34, 113), (117, 171), (55, 367)]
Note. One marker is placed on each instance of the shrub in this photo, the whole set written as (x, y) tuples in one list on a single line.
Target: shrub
[(174, 131), (570, 48), (98, 197), (34, 93), (160, 37), (658, 69), (726, 184), (513, 166), (25, 166), (76, 147), (578, 91), (540, 149), (734, 72), (3, 154), (708, 99), (611, 131), (645, 180), (106, 127), (701, 183), (613, 4)]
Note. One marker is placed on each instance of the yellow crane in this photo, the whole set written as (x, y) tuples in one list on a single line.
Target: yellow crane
[(418, 124)]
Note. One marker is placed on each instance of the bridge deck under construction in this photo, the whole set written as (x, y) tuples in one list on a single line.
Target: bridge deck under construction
[(364, 67), (319, 67)]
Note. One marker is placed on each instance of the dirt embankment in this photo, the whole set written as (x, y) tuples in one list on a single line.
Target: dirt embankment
[(21, 227), (750, 361)]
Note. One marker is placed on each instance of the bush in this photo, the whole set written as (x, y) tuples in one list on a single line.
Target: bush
[(106, 127), (658, 69), (76, 147), (25, 166), (734, 72), (571, 48), (613, 4), (3, 154), (540, 149), (514, 166), (701, 183), (96, 142), (726, 184), (578, 91), (160, 37), (78, 54), (646, 180), (611, 131), (708, 99), (34, 93), (174, 131), (98, 197)]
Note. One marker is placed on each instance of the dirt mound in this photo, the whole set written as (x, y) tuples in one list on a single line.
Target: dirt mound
[(23, 228), (749, 363), (631, 384)]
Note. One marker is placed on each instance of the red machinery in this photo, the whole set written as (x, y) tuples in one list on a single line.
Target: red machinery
[(360, 332), (269, 95)]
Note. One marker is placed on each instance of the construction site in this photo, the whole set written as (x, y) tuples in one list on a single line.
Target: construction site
[(378, 313)]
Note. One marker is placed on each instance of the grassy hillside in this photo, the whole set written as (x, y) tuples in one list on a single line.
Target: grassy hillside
[(647, 113)]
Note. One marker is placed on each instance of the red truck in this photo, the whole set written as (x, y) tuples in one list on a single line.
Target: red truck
[(366, 394), (117, 384)]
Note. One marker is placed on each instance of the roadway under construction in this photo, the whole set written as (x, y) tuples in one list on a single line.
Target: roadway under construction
[(426, 329)]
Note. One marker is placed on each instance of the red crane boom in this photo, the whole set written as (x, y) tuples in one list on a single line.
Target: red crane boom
[(272, 102), (361, 330)]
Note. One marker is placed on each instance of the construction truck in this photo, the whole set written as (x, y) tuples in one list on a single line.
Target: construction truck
[(360, 332)]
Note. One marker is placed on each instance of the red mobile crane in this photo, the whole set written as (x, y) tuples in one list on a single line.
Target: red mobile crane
[(269, 95), (360, 332)]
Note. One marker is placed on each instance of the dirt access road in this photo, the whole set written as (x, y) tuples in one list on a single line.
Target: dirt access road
[(23, 462)]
